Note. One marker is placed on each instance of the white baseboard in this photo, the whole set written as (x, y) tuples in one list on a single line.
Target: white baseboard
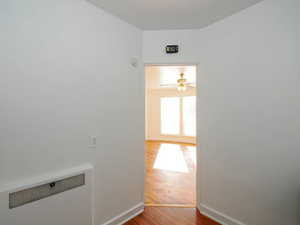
[(217, 216), (126, 216)]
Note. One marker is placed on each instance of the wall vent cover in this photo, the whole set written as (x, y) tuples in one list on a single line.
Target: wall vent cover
[(33, 194)]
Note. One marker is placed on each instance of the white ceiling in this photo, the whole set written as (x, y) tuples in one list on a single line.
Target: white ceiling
[(173, 14)]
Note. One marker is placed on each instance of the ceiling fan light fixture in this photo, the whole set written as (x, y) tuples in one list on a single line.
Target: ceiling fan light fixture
[(181, 87), (181, 83)]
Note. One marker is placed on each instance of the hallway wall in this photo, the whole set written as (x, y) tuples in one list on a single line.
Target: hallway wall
[(65, 76), (248, 111)]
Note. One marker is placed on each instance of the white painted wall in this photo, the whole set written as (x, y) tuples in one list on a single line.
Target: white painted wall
[(248, 110), (65, 75)]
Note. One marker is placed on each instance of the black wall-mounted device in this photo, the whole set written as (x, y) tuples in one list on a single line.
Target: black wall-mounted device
[(171, 49)]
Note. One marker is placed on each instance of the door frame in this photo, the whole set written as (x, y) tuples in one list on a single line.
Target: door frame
[(182, 63)]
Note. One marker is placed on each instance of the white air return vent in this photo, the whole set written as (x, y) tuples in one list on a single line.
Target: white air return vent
[(36, 193), (60, 197)]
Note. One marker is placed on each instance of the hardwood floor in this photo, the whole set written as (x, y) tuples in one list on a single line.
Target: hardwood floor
[(171, 216), (170, 174), (170, 180)]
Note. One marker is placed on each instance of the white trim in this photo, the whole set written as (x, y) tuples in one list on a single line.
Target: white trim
[(172, 139), (171, 64), (217, 216), (127, 215), (46, 178)]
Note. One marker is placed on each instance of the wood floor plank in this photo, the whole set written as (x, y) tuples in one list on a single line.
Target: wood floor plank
[(171, 216), (170, 173)]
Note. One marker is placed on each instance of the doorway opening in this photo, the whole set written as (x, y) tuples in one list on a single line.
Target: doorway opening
[(170, 152)]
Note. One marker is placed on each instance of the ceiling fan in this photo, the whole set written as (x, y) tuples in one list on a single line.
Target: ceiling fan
[(181, 84)]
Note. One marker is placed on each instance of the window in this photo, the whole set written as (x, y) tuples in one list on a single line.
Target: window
[(189, 115), (178, 116), (170, 115)]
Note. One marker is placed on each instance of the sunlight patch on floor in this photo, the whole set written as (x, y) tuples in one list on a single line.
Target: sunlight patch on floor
[(170, 157)]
